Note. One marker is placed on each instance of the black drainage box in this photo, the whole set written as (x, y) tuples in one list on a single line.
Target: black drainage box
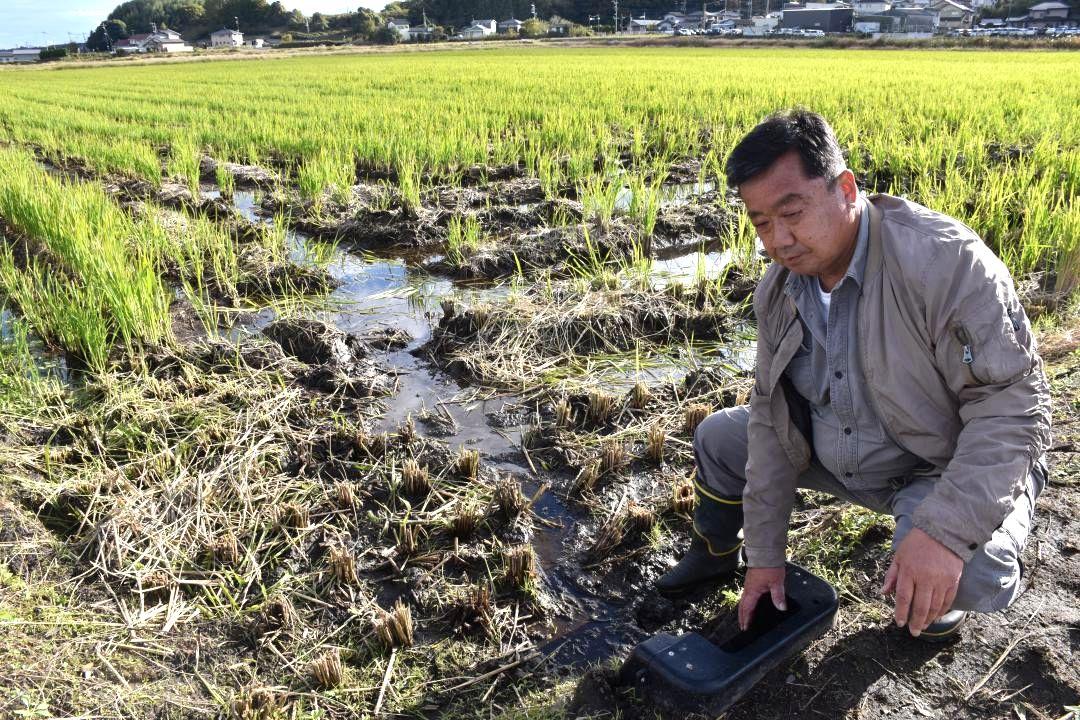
[(690, 674)]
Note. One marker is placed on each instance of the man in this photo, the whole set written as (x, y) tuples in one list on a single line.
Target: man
[(896, 369)]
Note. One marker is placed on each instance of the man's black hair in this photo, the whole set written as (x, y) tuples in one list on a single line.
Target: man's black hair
[(805, 132)]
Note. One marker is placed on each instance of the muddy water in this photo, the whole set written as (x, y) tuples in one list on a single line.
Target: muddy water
[(395, 292), (46, 361), (675, 194)]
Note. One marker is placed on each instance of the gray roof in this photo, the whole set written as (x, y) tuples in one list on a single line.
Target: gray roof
[(397, 21), (1049, 6)]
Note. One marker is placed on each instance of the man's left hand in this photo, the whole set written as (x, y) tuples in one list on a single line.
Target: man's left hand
[(924, 574)]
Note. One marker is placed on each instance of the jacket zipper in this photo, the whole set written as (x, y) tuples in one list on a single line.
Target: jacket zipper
[(962, 336)]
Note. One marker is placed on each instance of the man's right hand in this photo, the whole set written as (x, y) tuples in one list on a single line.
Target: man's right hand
[(759, 581)]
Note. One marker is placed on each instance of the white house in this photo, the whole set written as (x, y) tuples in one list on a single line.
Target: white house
[(475, 32), (162, 41), (166, 41), (400, 26), (258, 43), (489, 24), (512, 25), (226, 38)]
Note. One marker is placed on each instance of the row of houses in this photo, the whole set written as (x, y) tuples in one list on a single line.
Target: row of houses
[(922, 17), (909, 17), (169, 41), (476, 30)]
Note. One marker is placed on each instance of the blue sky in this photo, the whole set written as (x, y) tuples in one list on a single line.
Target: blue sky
[(37, 22)]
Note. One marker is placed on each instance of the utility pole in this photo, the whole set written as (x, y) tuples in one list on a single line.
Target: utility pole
[(616, 17), (237, 21)]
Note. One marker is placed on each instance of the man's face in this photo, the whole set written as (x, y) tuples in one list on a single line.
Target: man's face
[(805, 225)]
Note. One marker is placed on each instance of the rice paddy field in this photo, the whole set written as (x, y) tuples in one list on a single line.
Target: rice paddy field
[(365, 386)]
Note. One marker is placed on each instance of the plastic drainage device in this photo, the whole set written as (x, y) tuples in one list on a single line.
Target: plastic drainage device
[(690, 674)]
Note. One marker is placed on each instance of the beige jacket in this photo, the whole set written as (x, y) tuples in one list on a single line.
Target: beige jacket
[(952, 369)]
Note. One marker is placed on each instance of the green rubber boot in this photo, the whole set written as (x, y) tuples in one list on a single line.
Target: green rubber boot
[(715, 549)]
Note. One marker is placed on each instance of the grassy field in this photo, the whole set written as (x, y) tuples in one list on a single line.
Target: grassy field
[(237, 481)]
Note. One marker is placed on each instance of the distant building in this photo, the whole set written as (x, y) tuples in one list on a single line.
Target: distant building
[(159, 41), (132, 43), (20, 56), (506, 27), (1048, 14), (761, 25), (258, 43), (422, 32), (475, 32), (918, 21), (832, 20), (226, 38), (560, 28), (166, 41), (640, 26), (871, 7), (488, 24), (953, 15), (401, 27)]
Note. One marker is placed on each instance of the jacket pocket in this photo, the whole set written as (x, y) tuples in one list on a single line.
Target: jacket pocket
[(989, 348)]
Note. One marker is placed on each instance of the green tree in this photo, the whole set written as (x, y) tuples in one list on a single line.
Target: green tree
[(277, 14), (318, 22), (365, 23), (184, 16), (386, 36), (103, 38), (534, 27)]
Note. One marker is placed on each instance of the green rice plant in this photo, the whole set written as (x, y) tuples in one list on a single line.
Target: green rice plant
[(226, 181), (462, 238), (327, 170), (599, 195), (409, 183), (87, 285), (184, 158), (960, 143), (646, 195)]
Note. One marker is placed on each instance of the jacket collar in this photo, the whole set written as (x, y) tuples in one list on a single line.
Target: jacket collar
[(874, 254)]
